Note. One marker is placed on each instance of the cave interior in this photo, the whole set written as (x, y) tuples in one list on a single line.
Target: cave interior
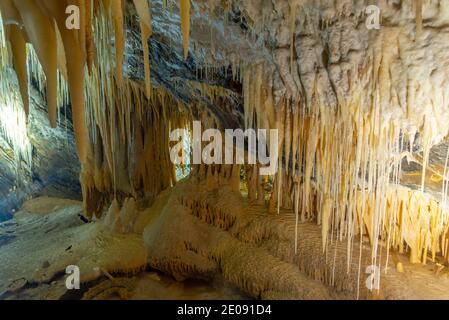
[(224, 149)]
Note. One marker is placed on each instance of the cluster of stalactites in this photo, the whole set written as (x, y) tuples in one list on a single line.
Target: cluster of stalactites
[(130, 149), (121, 127), (129, 127), (341, 167), (42, 23), (13, 124)]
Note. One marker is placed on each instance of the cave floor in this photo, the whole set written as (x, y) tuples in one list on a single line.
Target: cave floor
[(148, 285), (47, 234)]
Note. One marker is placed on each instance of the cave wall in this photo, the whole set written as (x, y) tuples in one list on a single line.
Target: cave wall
[(349, 102), (54, 170)]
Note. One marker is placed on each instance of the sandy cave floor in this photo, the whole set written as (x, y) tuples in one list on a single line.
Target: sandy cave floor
[(47, 232)]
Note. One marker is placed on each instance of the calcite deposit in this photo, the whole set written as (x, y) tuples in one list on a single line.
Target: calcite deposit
[(361, 166)]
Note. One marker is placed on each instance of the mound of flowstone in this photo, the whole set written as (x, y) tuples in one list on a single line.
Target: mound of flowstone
[(209, 232)]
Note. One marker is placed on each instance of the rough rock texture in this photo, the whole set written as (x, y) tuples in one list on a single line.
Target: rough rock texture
[(199, 237), (54, 169), (330, 40), (273, 60), (38, 246), (47, 235), (55, 165), (170, 70), (203, 233)]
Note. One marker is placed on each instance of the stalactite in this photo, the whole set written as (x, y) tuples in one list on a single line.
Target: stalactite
[(19, 54), (122, 143), (146, 29), (117, 11), (90, 49), (340, 166), (184, 7), (206, 91), (293, 6), (81, 36), (335, 163), (41, 34), (419, 11), (75, 72), (13, 119)]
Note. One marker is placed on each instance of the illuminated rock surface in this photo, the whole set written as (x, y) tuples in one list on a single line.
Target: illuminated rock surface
[(362, 114)]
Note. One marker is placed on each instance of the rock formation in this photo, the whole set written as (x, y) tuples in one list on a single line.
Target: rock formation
[(359, 103)]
